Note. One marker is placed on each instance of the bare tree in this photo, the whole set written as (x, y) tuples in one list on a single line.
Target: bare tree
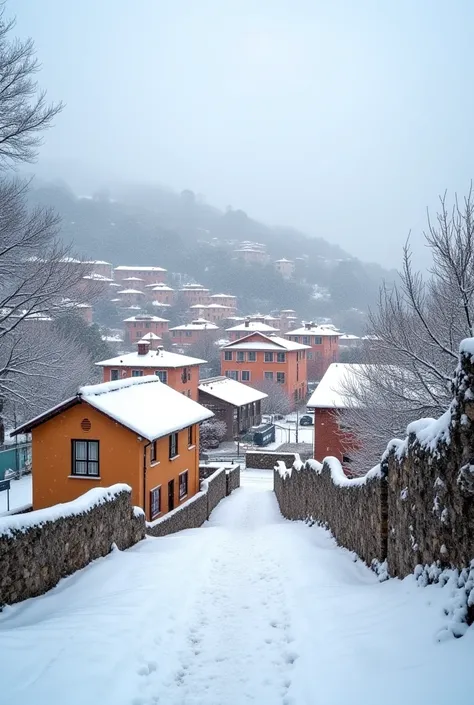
[(39, 277), (417, 328), (211, 433), (277, 400)]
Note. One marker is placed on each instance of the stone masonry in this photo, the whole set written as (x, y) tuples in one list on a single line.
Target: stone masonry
[(35, 558)]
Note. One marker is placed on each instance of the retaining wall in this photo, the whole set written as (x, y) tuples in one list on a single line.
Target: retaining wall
[(354, 510), (39, 548), (266, 460), (417, 507)]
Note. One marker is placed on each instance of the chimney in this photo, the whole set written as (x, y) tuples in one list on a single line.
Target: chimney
[(247, 322), (143, 347), (308, 326)]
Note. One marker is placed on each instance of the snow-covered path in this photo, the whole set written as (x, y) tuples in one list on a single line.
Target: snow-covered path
[(249, 609)]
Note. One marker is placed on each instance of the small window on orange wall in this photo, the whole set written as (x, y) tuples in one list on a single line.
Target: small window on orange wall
[(191, 436)]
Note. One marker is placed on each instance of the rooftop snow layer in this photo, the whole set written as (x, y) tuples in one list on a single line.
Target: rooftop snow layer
[(125, 268), (230, 391), (314, 330), (253, 326), (329, 394), (145, 405), (266, 343), (156, 359)]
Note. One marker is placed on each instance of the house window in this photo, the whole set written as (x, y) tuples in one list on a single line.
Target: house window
[(305, 340), (252, 356), (188, 333), (245, 376), (155, 502), (163, 375), (174, 334), (269, 376), (191, 436), (153, 452), (137, 373), (173, 445), (183, 484), (281, 357), (268, 357), (281, 377), (240, 356), (318, 340), (114, 375), (228, 355), (138, 334), (85, 458), (310, 356), (232, 374)]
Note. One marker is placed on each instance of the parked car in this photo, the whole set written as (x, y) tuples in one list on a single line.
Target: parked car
[(306, 420)]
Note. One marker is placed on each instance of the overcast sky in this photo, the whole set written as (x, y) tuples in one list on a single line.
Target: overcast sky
[(344, 118)]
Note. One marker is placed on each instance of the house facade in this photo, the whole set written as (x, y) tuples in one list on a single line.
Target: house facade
[(192, 294), (329, 400), (260, 359), (137, 431), (324, 343), (138, 326), (149, 275), (234, 403), (197, 331), (180, 372)]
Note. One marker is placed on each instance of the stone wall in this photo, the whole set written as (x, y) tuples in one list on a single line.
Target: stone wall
[(194, 512), (354, 510), (233, 479), (417, 507), (266, 460), (39, 548)]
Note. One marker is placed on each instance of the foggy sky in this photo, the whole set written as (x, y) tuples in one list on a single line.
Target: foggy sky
[(343, 118)]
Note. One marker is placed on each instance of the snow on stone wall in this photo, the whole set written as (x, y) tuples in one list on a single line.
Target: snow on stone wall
[(417, 507), (353, 510), (39, 548)]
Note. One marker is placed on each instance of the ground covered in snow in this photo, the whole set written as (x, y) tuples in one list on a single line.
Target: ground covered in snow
[(249, 609), (20, 494)]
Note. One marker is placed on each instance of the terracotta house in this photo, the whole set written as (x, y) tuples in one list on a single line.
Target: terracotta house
[(131, 297), (192, 294), (161, 293), (138, 326), (259, 358), (248, 326), (215, 313), (224, 299), (137, 431), (194, 332), (180, 372), (324, 342), (285, 267), (150, 275), (329, 401), (234, 403)]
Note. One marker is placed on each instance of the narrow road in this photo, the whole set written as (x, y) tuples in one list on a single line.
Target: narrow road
[(250, 609)]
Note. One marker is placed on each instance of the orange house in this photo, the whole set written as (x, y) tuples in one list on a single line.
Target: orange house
[(192, 294), (260, 359), (138, 326), (194, 332), (324, 342), (149, 275), (329, 401), (137, 431), (180, 372), (162, 293)]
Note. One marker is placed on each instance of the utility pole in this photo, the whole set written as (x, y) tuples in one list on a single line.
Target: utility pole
[(297, 425)]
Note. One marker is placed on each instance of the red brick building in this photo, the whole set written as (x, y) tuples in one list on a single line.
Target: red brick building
[(248, 326), (259, 358), (324, 342), (329, 401), (192, 294), (150, 275), (137, 326), (180, 372), (194, 332)]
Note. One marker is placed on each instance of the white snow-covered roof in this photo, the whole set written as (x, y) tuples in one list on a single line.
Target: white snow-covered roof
[(146, 318), (130, 291), (97, 261), (349, 336), (265, 343), (198, 324), (150, 336), (125, 268), (220, 296), (154, 359), (211, 306), (329, 394), (251, 327), (132, 279), (159, 287), (230, 391), (97, 277), (283, 259), (145, 405), (194, 287), (321, 330)]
